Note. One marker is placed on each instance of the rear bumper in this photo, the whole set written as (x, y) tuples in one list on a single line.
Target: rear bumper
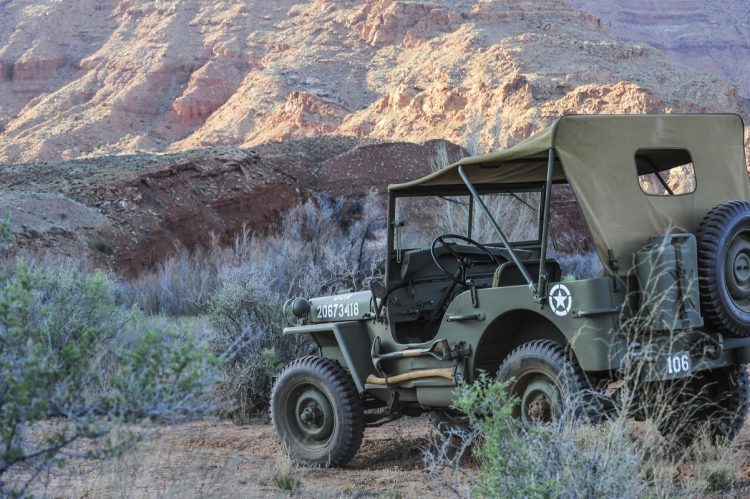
[(651, 362)]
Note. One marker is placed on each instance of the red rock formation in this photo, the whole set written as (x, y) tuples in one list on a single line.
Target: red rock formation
[(84, 77), (208, 89)]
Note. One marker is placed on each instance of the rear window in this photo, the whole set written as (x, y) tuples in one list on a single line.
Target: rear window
[(665, 172)]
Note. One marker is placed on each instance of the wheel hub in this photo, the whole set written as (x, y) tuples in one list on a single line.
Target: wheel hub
[(540, 409), (742, 268), (540, 402), (314, 414), (737, 270)]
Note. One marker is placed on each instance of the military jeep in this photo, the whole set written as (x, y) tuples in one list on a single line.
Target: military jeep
[(470, 287)]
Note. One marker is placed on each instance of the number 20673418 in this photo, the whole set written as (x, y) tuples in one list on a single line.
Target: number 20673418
[(337, 310)]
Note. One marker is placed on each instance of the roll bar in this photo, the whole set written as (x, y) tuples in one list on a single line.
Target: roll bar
[(539, 289)]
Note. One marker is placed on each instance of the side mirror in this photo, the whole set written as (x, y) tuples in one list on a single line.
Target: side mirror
[(378, 289)]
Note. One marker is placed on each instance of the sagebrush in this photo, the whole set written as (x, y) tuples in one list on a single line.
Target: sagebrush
[(323, 245), (69, 349)]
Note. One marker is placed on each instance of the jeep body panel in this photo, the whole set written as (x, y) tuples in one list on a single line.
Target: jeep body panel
[(345, 342)]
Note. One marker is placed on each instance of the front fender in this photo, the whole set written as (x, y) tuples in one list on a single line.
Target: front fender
[(348, 343)]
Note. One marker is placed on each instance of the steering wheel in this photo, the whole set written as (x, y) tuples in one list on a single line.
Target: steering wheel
[(464, 262)]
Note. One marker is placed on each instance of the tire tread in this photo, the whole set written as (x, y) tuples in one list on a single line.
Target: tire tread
[(709, 235)]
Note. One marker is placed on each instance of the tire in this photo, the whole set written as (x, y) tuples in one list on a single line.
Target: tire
[(547, 384), (716, 401), (317, 413), (724, 268)]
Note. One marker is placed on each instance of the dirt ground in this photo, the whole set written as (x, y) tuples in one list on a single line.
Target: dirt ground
[(220, 459)]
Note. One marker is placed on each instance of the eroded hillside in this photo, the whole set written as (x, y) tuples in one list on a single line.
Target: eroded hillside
[(130, 212), (85, 77), (710, 36)]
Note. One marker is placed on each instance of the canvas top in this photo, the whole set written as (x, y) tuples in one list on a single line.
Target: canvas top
[(601, 156)]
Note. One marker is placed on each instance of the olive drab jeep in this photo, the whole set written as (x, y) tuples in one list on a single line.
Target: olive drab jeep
[(470, 287)]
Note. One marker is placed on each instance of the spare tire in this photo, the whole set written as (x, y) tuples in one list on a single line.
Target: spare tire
[(724, 268)]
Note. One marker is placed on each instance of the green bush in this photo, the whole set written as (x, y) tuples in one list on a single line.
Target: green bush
[(5, 234), (164, 377), (287, 482), (68, 349), (560, 460)]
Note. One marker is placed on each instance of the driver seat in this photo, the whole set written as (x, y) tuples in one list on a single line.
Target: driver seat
[(508, 274)]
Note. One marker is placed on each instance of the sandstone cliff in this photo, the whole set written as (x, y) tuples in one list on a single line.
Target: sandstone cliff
[(90, 77), (711, 36)]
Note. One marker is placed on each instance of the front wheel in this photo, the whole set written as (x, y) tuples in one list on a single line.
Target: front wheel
[(547, 383), (317, 413)]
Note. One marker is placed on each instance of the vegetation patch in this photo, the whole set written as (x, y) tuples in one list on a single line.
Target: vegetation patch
[(287, 482), (69, 349)]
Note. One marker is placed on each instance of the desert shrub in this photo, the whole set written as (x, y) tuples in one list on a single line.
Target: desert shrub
[(62, 353), (560, 460), (578, 265), (287, 482), (248, 320), (323, 246), (181, 285), (719, 480), (167, 375)]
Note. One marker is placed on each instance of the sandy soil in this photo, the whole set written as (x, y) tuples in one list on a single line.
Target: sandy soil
[(220, 459)]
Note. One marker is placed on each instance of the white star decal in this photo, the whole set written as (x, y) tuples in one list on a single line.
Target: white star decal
[(562, 300)]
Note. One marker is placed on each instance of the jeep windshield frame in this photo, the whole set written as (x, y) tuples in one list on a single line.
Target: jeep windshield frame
[(466, 223), (539, 288)]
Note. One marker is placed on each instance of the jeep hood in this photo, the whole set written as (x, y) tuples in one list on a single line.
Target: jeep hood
[(596, 155)]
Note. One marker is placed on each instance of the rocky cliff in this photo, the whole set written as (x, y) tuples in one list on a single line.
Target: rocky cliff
[(90, 77), (713, 37)]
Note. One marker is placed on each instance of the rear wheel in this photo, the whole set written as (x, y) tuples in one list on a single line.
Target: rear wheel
[(317, 412), (547, 383)]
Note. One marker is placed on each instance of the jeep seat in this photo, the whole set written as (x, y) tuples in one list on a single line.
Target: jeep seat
[(508, 273)]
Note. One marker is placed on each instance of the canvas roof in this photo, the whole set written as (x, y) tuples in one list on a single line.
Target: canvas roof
[(596, 155)]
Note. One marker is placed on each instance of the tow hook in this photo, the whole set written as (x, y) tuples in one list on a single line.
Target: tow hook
[(714, 347)]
